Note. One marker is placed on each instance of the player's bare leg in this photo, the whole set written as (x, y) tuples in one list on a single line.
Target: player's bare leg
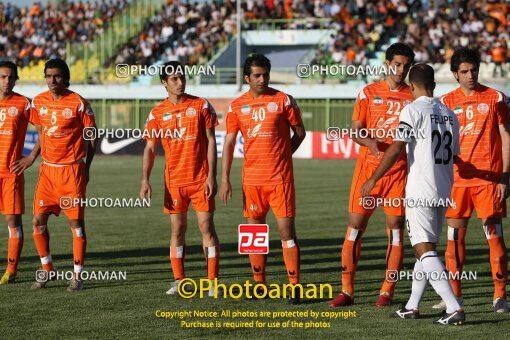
[(493, 230), (394, 258), (287, 231), (210, 244), (351, 251), (258, 261), (79, 249), (455, 255), (41, 237), (179, 224), (14, 247)]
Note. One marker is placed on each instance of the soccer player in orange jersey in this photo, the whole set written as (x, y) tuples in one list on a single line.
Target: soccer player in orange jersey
[(378, 106), (481, 173), (14, 117), (60, 116), (265, 117), (186, 124)]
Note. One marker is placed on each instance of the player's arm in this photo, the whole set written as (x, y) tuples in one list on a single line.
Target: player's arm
[(17, 167), (226, 165), (91, 151), (504, 131), (298, 137), (390, 157), (212, 157), (149, 154)]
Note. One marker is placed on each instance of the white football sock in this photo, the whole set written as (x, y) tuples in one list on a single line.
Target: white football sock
[(435, 269), (419, 286)]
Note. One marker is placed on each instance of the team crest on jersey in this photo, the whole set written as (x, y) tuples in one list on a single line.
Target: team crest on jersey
[(67, 113), (378, 101), (167, 116), (43, 111), (272, 107), (482, 108), (12, 111), (245, 109), (458, 110), (191, 112)]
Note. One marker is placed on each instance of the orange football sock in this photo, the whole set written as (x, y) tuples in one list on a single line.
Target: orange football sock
[(177, 255), (212, 261), (14, 246), (258, 266), (351, 250), (498, 258), (79, 248), (394, 258), (291, 259), (41, 237), (455, 257)]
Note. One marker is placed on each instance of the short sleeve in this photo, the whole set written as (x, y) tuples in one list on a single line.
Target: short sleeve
[(502, 111), (209, 114), (407, 128), (151, 128), (292, 111), (34, 114), (361, 107), (456, 135), (86, 114), (232, 121)]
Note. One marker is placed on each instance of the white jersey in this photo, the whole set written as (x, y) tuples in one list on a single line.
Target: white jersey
[(431, 131)]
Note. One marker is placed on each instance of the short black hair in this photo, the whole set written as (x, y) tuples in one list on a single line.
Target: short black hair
[(11, 65), (464, 55), (174, 66), (422, 75), (256, 59), (62, 66), (399, 49)]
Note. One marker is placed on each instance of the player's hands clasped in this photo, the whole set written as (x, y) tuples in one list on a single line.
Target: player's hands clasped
[(372, 147), (211, 187), (17, 167), (367, 187), (225, 191), (146, 190)]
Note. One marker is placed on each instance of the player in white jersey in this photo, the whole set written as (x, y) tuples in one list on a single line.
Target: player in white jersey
[(431, 133)]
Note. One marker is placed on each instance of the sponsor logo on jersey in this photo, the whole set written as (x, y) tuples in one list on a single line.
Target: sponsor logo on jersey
[(272, 107), (458, 110), (245, 109), (482, 108), (378, 101), (12, 111), (191, 112), (67, 113)]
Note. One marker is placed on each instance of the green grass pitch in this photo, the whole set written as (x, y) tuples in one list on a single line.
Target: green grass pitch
[(136, 240)]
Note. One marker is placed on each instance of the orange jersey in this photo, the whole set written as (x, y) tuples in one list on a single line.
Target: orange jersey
[(479, 118), (62, 122), (182, 130), (265, 124), (378, 107), (14, 117)]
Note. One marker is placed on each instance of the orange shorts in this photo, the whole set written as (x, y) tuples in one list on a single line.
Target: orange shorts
[(12, 191), (481, 198), (392, 186), (257, 199), (56, 186), (177, 199)]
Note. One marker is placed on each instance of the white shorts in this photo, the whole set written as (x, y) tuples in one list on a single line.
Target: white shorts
[(424, 224)]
